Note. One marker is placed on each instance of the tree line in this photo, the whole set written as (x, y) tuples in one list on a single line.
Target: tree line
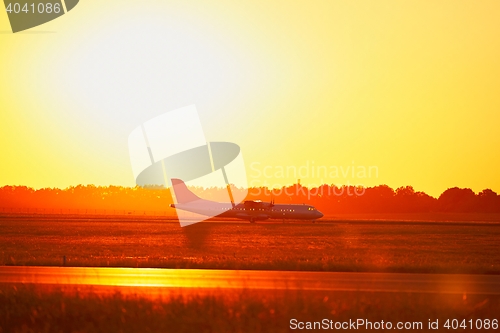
[(328, 199)]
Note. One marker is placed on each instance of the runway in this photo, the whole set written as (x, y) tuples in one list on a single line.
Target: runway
[(159, 279)]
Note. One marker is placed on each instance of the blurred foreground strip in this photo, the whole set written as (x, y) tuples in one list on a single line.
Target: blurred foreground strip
[(251, 279)]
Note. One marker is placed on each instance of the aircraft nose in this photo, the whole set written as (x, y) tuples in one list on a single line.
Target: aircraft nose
[(319, 214)]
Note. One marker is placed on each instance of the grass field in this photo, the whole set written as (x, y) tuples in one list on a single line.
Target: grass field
[(341, 246), (386, 245), (25, 308)]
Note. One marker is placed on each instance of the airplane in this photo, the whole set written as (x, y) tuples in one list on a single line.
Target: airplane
[(251, 210)]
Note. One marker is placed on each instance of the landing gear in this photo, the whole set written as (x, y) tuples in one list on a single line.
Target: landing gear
[(252, 220)]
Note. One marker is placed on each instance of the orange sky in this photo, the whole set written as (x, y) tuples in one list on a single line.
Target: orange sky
[(411, 88)]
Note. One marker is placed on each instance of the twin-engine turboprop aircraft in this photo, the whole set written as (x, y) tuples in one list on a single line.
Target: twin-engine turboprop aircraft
[(249, 210)]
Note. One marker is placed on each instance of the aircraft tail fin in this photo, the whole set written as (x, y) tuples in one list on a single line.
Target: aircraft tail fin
[(182, 193)]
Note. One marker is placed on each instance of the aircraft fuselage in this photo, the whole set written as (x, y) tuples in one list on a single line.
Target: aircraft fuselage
[(252, 211)]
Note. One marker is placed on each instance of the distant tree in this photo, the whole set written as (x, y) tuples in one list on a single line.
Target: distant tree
[(488, 201), (458, 200), (378, 199), (405, 199), (409, 201)]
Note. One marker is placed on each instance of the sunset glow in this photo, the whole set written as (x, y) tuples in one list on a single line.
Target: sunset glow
[(409, 88)]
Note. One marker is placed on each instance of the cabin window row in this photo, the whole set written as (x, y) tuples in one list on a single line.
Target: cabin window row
[(263, 209)]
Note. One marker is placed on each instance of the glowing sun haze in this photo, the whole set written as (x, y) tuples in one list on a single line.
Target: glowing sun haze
[(409, 87)]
